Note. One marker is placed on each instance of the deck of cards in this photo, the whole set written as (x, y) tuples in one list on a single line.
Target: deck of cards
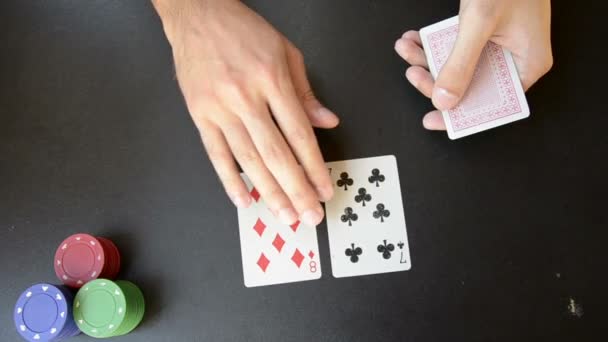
[(365, 224), (365, 219), (495, 96)]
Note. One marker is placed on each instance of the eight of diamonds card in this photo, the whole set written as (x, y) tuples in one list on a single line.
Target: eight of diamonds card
[(495, 96), (274, 253), (365, 219)]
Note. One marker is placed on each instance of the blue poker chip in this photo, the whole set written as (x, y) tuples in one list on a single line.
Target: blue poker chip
[(44, 313)]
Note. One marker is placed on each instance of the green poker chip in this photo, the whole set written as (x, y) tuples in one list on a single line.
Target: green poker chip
[(105, 308)]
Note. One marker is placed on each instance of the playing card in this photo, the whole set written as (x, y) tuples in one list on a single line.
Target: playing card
[(495, 96), (365, 219), (272, 252)]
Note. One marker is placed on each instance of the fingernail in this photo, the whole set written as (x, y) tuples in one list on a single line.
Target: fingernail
[(287, 216), (400, 47), (241, 201), (408, 76), (312, 217), (325, 193), (443, 99), (426, 122), (324, 113)]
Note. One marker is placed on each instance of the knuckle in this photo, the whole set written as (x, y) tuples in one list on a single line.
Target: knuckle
[(300, 135), (246, 156), (274, 154), (308, 95), (237, 91), (217, 154), (268, 71), (275, 197)]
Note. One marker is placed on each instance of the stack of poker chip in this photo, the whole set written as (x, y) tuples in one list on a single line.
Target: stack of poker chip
[(81, 258), (105, 308), (44, 313), (101, 308)]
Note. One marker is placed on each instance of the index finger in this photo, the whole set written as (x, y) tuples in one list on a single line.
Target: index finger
[(297, 130)]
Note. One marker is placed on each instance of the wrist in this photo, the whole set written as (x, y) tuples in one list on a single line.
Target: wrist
[(174, 13)]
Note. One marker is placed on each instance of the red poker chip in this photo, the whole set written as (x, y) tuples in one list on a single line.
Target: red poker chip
[(112, 258), (81, 258)]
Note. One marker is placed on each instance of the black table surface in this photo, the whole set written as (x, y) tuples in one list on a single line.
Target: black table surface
[(507, 228)]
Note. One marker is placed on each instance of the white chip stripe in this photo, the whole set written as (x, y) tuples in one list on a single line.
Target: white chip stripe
[(77, 304), (92, 242), (53, 330), (28, 294), (65, 277), (78, 238), (36, 337), (62, 314), (65, 245), (80, 321), (110, 326), (19, 310), (93, 274), (58, 297), (58, 262), (119, 310), (103, 283), (79, 282), (44, 288), (22, 327), (93, 330), (116, 292)]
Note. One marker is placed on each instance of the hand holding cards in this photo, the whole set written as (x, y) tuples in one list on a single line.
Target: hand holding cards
[(365, 224), (495, 95)]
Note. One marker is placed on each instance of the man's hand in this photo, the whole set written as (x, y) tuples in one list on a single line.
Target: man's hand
[(246, 88), (522, 26)]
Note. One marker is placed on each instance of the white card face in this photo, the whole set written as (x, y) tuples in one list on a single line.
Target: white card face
[(365, 219), (274, 253), (495, 96)]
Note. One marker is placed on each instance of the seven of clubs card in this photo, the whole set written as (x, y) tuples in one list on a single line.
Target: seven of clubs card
[(495, 96), (272, 252), (365, 219)]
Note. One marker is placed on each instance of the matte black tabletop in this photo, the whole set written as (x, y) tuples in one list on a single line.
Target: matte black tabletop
[(507, 228)]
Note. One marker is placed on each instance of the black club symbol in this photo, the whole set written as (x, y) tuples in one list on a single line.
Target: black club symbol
[(400, 244), (344, 181), (386, 250), (353, 253), (349, 216), (363, 196), (376, 177), (381, 212)]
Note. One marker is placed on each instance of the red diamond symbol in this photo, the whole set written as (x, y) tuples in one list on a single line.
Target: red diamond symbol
[(263, 262), (255, 194), (297, 258), (259, 227), (311, 254), (295, 226), (278, 243)]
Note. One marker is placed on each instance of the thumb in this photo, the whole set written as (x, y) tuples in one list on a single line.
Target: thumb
[(318, 115), (457, 72)]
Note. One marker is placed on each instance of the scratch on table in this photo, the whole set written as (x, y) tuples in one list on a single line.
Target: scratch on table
[(575, 309)]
